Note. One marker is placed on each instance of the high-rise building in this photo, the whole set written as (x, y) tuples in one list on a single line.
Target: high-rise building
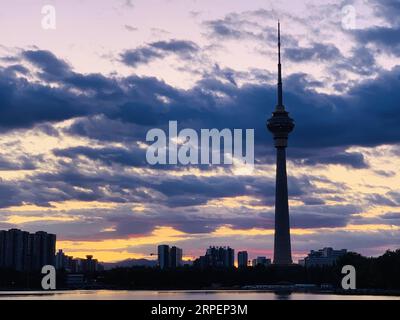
[(163, 256), (280, 125), (242, 259), (22, 251), (169, 257), (43, 249), (175, 255), (17, 250)]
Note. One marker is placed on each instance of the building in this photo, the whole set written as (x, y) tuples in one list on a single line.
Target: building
[(280, 125), (23, 251), (322, 257), (163, 256), (43, 249), (169, 257), (243, 258), (88, 265), (217, 257), (175, 257), (261, 261), (61, 260), (15, 250), (66, 263)]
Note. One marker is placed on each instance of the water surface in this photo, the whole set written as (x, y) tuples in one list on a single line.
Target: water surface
[(179, 295)]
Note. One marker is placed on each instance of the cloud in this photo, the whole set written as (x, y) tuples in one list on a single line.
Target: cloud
[(158, 49), (323, 156), (129, 106), (48, 63), (247, 25), (317, 51), (19, 163), (135, 157), (385, 38), (383, 173), (25, 104), (130, 28), (387, 9), (139, 56), (340, 121)]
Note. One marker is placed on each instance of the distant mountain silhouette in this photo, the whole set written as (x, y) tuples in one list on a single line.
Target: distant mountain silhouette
[(129, 263)]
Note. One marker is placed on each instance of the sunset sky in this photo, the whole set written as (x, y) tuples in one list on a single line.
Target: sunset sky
[(77, 101)]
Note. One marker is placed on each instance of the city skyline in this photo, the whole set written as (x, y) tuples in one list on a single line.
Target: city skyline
[(29, 252), (77, 102)]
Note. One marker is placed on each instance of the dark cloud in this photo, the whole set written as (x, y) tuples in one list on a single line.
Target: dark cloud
[(388, 9), (331, 115), (47, 62), (341, 121), (391, 215), (25, 104), (384, 173), (139, 56), (19, 163), (385, 38), (9, 194), (180, 47), (323, 156), (382, 200), (108, 156), (325, 126), (159, 49), (225, 29), (317, 51), (362, 62)]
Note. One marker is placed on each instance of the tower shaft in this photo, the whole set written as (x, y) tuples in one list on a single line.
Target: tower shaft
[(282, 246)]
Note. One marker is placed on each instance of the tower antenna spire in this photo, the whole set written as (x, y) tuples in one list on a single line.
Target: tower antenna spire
[(280, 93)]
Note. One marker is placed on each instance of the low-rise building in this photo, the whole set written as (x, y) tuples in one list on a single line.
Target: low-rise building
[(322, 257)]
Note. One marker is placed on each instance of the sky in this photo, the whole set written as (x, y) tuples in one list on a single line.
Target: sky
[(77, 99)]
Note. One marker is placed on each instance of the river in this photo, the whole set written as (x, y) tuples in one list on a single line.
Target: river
[(179, 295)]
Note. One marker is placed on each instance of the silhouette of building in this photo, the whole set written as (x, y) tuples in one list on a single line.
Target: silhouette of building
[(89, 265), (175, 257), (163, 256), (217, 257), (280, 125), (169, 257), (71, 265), (243, 258), (260, 261), (322, 257), (66, 263), (23, 251), (61, 260), (43, 249)]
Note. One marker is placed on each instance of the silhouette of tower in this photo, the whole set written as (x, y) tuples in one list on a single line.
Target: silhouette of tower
[(280, 124)]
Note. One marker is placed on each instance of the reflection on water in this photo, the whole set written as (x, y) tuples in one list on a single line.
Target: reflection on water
[(179, 295)]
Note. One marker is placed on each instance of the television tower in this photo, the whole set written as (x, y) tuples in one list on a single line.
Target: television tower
[(280, 124)]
